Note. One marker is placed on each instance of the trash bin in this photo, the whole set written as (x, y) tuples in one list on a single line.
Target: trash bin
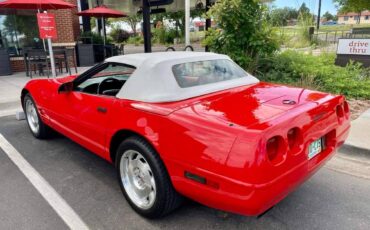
[(86, 55), (5, 66), (311, 31)]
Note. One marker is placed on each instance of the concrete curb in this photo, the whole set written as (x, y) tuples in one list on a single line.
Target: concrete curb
[(351, 149), (359, 136)]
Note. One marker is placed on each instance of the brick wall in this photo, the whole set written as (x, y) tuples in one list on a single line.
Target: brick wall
[(17, 64), (68, 29), (67, 24)]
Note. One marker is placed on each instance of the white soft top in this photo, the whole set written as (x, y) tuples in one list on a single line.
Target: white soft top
[(154, 81)]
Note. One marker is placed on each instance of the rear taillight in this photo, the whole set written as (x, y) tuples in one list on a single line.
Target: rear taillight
[(346, 109), (276, 149), (294, 139), (340, 113)]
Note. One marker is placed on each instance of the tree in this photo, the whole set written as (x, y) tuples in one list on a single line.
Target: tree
[(280, 16), (303, 9), (356, 6), (346, 6), (178, 18), (328, 16), (132, 21), (304, 15), (243, 32)]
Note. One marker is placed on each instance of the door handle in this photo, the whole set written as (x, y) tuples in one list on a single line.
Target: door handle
[(101, 109)]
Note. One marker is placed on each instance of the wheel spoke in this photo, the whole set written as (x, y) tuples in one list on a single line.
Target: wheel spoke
[(142, 193)]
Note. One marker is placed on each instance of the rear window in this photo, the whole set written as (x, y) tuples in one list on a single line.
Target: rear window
[(206, 72)]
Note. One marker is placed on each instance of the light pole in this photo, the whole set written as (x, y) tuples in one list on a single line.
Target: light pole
[(187, 22)]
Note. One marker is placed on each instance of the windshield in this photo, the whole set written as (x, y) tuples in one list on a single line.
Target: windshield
[(117, 71), (206, 72)]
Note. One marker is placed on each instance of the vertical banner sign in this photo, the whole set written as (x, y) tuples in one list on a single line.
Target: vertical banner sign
[(47, 28)]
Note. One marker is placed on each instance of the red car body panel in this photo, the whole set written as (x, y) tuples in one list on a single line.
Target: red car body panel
[(220, 136)]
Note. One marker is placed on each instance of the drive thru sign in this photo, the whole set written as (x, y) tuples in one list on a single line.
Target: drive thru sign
[(354, 46), (355, 49), (47, 26)]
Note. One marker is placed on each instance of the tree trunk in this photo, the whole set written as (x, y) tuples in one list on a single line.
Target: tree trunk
[(358, 18)]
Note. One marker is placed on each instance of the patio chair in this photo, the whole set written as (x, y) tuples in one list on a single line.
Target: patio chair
[(38, 59), (68, 54)]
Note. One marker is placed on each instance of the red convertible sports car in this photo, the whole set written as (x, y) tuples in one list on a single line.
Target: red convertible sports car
[(191, 124)]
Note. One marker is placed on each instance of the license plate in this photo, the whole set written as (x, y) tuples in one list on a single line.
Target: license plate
[(315, 148)]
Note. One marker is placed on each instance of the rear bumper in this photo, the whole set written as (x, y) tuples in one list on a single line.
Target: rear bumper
[(253, 199)]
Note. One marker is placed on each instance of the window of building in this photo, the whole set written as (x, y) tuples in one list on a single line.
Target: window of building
[(346, 18), (366, 17), (357, 18), (19, 31)]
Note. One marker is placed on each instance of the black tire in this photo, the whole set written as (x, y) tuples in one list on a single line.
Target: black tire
[(166, 198), (43, 131), (188, 48), (170, 49)]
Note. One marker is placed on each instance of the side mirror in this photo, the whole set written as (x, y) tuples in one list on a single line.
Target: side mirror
[(66, 87)]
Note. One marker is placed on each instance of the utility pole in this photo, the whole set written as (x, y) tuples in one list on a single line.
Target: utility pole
[(318, 17), (146, 27)]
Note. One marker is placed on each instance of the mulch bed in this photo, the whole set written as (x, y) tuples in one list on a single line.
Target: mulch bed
[(358, 107)]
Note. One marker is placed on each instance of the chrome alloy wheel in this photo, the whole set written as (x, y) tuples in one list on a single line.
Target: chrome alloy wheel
[(138, 179), (32, 117)]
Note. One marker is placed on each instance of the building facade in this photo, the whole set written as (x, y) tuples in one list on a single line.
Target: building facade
[(19, 29), (354, 18)]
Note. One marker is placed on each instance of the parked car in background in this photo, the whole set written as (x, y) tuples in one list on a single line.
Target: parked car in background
[(329, 23), (192, 124)]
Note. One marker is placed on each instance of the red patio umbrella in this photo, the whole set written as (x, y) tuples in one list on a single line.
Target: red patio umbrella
[(39, 5), (102, 12), (36, 4)]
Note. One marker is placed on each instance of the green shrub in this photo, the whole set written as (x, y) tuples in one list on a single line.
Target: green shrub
[(316, 72), (244, 33), (135, 40), (163, 35), (119, 35)]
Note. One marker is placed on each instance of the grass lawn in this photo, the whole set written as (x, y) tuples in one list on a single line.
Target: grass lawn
[(293, 30), (342, 27)]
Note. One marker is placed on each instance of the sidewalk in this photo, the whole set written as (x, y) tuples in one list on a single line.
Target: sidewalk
[(11, 87), (359, 136)]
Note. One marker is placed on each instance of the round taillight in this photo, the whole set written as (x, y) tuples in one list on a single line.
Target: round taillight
[(276, 149), (294, 138), (340, 113)]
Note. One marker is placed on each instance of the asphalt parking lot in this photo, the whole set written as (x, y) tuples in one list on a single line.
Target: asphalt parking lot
[(331, 199)]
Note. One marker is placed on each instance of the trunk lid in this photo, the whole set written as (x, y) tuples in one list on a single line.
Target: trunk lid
[(248, 105)]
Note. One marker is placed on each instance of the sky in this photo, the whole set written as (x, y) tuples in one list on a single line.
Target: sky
[(326, 5)]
